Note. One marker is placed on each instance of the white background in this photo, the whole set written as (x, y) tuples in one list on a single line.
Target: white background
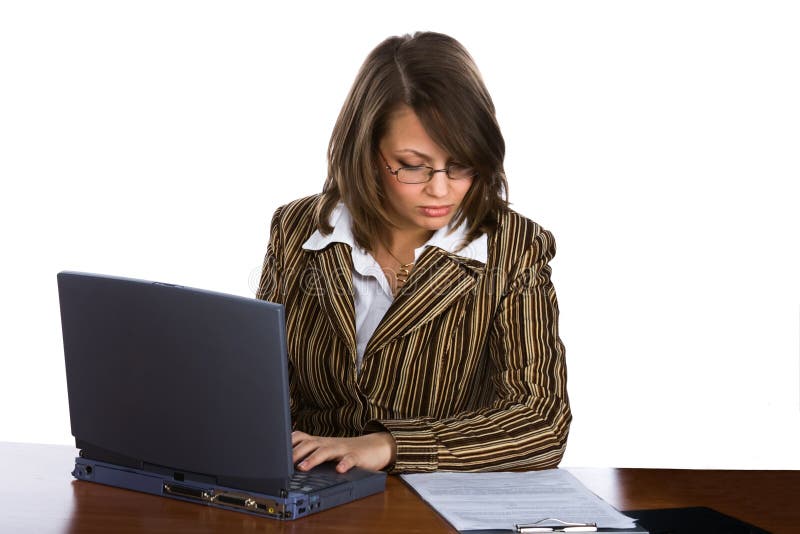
[(658, 141)]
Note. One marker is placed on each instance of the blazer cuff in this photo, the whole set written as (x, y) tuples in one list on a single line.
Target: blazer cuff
[(417, 448)]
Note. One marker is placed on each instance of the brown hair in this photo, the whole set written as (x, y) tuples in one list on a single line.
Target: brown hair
[(434, 75)]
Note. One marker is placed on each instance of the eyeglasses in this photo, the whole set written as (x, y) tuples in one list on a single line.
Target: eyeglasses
[(420, 174)]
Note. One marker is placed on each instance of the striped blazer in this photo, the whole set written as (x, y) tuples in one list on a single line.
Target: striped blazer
[(466, 370)]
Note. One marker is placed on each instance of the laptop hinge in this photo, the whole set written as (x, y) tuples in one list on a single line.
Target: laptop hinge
[(93, 452)]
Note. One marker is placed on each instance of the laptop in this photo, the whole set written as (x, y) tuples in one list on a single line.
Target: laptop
[(184, 393)]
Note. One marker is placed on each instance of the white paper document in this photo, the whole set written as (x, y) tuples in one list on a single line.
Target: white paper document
[(486, 501)]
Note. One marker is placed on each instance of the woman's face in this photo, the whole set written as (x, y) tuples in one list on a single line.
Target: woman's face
[(418, 208)]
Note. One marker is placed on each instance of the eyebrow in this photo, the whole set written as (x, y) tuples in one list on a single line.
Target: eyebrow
[(417, 152)]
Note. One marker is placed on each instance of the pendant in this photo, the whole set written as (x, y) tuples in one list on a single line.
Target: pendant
[(403, 273)]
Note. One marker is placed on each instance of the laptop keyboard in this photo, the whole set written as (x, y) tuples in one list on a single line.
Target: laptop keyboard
[(303, 481)]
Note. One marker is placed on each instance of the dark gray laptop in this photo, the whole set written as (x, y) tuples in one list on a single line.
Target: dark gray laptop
[(184, 393)]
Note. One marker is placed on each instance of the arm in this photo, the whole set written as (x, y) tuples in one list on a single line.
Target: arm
[(525, 425), (271, 284), (372, 451)]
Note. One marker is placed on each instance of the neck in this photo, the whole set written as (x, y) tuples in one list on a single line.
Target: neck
[(402, 245), (408, 241)]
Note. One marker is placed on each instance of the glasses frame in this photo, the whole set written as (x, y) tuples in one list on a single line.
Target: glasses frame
[(431, 172)]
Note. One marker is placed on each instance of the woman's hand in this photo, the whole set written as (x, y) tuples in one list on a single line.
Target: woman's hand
[(370, 451)]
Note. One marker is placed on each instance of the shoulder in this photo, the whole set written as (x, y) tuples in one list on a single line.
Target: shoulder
[(516, 239), (297, 212), (296, 218), (292, 224)]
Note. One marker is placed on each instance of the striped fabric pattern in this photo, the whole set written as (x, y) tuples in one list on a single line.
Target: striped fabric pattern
[(466, 369)]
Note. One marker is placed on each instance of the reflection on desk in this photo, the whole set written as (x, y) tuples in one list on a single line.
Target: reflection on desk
[(40, 496)]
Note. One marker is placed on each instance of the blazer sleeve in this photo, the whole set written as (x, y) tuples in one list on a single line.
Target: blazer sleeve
[(270, 281), (271, 284), (525, 425)]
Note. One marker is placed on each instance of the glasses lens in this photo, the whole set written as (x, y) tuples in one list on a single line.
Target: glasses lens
[(461, 172), (413, 175)]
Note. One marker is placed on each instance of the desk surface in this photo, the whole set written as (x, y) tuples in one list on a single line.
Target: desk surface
[(41, 496)]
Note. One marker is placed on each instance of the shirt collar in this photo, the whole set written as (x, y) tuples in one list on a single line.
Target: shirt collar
[(443, 238)]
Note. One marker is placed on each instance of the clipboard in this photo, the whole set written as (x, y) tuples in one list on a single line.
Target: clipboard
[(486, 503), (635, 530), (555, 529)]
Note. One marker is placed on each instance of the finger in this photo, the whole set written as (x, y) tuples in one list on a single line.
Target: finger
[(298, 436), (304, 448), (322, 454), (346, 463)]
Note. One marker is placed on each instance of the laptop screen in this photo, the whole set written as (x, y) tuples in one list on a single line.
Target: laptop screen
[(177, 377)]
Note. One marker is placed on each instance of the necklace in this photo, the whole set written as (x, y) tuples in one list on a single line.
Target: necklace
[(403, 272)]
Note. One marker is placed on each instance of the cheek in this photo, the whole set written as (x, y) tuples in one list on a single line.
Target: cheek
[(395, 194), (403, 197), (462, 189)]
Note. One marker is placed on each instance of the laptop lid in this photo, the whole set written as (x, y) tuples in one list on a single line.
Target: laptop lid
[(176, 377)]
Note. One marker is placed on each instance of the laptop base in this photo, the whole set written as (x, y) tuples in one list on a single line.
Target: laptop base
[(291, 506)]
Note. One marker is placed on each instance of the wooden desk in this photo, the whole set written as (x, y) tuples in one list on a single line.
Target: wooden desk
[(40, 496)]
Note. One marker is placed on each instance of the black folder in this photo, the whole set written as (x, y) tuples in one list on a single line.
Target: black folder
[(695, 520)]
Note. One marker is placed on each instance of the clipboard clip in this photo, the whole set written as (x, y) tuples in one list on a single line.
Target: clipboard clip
[(559, 526)]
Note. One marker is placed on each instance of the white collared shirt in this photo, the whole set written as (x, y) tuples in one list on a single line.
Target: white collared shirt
[(372, 294)]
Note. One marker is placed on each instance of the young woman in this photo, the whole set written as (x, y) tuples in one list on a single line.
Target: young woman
[(421, 321)]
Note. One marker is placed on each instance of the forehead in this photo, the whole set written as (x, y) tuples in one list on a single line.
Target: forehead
[(405, 132)]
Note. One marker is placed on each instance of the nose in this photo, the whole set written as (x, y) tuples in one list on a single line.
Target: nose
[(439, 184)]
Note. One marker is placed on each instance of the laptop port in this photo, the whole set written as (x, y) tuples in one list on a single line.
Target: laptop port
[(247, 502), (230, 500), (186, 492)]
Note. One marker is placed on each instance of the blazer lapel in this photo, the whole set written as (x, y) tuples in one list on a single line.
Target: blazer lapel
[(334, 289), (437, 281)]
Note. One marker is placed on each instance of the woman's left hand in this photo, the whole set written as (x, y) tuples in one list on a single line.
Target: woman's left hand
[(370, 451)]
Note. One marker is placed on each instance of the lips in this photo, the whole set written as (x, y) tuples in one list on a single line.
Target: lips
[(435, 211)]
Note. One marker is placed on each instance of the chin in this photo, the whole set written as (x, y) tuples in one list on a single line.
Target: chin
[(434, 224)]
